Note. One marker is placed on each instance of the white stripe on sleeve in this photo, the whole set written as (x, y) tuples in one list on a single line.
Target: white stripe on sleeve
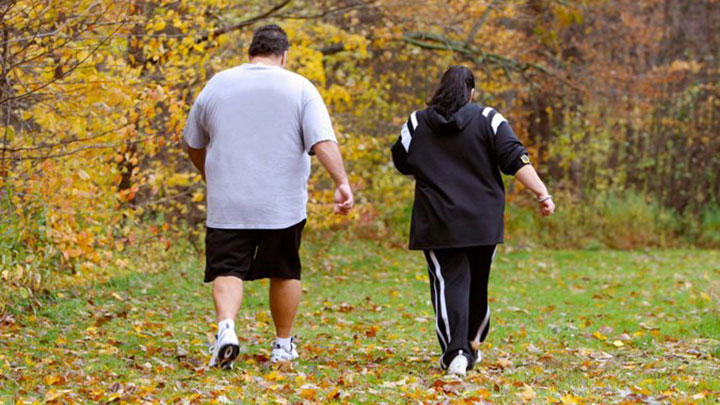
[(405, 137), (496, 121), (413, 119), (497, 118)]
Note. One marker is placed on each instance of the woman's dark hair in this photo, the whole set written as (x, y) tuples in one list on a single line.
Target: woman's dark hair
[(453, 91), (269, 40)]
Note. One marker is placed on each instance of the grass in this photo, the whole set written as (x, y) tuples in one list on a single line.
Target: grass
[(568, 327)]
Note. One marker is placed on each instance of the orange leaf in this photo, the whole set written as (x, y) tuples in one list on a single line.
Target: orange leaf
[(308, 393)]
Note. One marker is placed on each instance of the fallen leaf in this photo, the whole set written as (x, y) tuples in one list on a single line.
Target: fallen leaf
[(54, 394), (372, 331), (308, 393), (528, 394), (504, 363), (599, 335), (51, 379)]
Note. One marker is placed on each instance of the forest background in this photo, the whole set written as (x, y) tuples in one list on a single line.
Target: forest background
[(617, 100)]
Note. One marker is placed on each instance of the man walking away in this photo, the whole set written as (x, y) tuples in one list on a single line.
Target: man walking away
[(250, 133)]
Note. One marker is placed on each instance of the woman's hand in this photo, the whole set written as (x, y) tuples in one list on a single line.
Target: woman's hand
[(547, 206), (530, 179)]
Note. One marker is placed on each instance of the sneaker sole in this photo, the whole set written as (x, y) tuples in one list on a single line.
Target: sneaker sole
[(226, 355)]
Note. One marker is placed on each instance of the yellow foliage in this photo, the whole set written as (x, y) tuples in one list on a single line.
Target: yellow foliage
[(91, 157)]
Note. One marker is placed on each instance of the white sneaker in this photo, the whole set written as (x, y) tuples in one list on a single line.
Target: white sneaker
[(281, 353), (225, 349), (458, 366)]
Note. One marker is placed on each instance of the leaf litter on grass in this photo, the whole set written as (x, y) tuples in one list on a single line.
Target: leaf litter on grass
[(371, 340)]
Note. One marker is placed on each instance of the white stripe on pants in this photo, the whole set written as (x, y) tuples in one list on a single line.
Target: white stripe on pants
[(433, 282), (443, 304)]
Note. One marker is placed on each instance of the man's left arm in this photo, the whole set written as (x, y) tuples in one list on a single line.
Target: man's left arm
[(328, 153), (319, 139)]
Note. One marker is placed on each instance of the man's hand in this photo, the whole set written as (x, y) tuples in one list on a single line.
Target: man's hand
[(328, 154), (547, 207), (343, 199)]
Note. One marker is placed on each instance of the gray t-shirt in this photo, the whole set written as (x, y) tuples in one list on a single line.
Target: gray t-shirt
[(259, 124)]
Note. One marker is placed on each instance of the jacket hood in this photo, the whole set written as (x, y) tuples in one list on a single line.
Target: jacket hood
[(456, 123)]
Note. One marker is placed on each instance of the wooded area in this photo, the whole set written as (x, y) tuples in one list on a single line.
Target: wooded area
[(617, 101), (101, 211)]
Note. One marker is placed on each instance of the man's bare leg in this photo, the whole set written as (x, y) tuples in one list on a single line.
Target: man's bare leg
[(228, 295), (284, 303)]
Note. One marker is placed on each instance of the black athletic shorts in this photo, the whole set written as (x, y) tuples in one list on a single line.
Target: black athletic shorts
[(252, 254)]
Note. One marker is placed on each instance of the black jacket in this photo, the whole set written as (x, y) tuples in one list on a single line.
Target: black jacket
[(456, 162)]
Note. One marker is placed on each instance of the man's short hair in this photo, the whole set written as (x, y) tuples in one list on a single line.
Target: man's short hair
[(269, 40)]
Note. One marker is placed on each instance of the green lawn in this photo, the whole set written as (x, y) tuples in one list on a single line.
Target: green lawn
[(595, 327)]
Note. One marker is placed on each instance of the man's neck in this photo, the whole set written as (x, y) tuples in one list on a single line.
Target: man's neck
[(264, 60)]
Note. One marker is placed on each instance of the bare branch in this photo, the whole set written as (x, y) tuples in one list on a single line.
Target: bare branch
[(63, 143), (476, 28), (9, 6), (332, 49), (65, 73), (85, 148), (478, 56), (325, 13), (242, 24), (68, 40), (56, 30)]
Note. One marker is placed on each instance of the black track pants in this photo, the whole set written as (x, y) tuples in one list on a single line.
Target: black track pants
[(459, 291)]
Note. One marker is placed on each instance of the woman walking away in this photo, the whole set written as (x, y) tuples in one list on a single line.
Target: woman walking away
[(456, 150)]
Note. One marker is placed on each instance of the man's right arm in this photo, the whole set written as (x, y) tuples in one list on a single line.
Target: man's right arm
[(197, 157), (329, 156), (195, 137)]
